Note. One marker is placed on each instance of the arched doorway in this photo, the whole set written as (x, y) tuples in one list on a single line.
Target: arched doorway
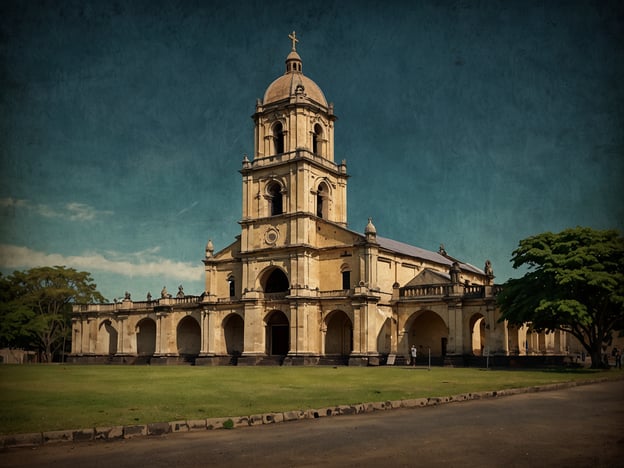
[(477, 334), (188, 335), (107, 342), (146, 337), (234, 332), (339, 335), (428, 331), (277, 334)]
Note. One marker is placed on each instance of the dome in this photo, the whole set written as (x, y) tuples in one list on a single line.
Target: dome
[(286, 86), (293, 82)]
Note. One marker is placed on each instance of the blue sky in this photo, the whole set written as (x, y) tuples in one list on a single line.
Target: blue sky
[(473, 124)]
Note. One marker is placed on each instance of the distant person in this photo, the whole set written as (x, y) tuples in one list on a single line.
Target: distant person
[(414, 353), (618, 358)]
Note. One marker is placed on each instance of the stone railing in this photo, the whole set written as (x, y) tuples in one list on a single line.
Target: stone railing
[(289, 156), (425, 290), (132, 305), (474, 290), (336, 293), (276, 296), (441, 290)]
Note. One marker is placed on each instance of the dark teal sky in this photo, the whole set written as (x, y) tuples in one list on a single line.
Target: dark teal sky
[(473, 124)]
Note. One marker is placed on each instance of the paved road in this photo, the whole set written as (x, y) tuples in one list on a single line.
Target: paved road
[(579, 427)]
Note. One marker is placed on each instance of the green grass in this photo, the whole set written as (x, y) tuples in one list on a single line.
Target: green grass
[(50, 397)]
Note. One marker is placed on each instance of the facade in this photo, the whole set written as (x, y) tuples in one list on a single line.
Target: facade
[(297, 286)]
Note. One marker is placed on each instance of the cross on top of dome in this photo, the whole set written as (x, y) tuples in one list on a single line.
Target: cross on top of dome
[(293, 38)]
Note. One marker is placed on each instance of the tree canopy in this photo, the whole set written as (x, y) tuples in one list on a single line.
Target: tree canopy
[(35, 307), (574, 283)]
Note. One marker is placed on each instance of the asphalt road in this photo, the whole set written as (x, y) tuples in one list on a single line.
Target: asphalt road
[(580, 427)]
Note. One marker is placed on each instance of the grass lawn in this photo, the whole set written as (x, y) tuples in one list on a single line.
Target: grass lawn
[(49, 397)]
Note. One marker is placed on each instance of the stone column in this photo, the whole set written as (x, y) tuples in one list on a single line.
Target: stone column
[(206, 342), (255, 331), (456, 329), (394, 333), (498, 339), (92, 334), (121, 345), (358, 329), (75, 344)]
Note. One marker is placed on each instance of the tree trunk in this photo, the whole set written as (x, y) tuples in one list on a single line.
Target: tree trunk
[(596, 359)]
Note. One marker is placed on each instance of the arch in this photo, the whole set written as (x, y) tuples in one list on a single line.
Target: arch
[(339, 334), (275, 281), (275, 197), (107, 338), (188, 337), (146, 337), (322, 200), (477, 334), (234, 334), (277, 333), (317, 140), (428, 331), (384, 337), (278, 137)]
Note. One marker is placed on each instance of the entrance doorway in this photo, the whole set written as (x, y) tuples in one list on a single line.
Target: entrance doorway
[(339, 335), (278, 334)]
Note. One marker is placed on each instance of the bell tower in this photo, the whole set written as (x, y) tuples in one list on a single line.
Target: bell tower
[(292, 181)]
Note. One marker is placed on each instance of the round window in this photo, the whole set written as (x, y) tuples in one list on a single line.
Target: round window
[(271, 236)]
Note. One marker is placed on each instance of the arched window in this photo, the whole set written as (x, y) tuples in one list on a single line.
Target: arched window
[(322, 200), (278, 138), (277, 281), (275, 199), (232, 285), (317, 138)]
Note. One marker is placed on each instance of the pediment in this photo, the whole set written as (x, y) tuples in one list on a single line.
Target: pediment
[(428, 276)]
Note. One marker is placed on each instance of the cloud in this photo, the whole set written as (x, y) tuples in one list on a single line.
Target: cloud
[(188, 208), (143, 264), (73, 211)]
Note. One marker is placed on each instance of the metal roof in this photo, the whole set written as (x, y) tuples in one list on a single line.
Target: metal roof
[(412, 251)]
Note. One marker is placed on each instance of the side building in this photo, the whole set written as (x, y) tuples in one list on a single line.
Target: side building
[(297, 286)]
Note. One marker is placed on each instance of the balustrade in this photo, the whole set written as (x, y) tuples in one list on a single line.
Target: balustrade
[(284, 157), (129, 305), (336, 293), (428, 290), (425, 290)]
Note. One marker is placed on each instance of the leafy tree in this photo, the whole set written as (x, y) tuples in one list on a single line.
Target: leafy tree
[(35, 307), (574, 283)]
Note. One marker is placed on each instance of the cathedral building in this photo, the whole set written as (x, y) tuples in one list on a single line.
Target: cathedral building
[(298, 286)]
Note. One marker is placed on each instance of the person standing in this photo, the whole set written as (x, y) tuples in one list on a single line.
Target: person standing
[(413, 353), (618, 358)]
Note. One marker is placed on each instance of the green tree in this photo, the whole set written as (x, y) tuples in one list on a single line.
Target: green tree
[(574, 283), (36, 305)]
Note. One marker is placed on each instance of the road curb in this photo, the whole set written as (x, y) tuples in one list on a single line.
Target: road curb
[(113, 433)]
